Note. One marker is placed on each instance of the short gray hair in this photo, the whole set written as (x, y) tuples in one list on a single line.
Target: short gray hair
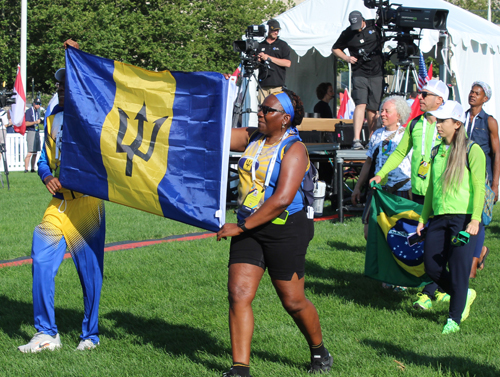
[(402, 107)]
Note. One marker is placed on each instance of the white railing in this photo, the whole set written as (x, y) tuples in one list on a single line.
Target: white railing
[(16, 150)]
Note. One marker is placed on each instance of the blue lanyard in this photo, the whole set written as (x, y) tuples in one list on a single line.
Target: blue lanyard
[(273, 159)]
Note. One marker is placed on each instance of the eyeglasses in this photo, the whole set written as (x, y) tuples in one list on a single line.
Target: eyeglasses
[(267, 109), (425, 94)]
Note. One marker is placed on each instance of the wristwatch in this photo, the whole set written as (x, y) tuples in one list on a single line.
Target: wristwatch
[(241, 224), (269, 60)]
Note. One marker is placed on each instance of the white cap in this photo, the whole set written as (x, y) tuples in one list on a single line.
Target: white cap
[(60, 74), (439, 88), (450, 109)]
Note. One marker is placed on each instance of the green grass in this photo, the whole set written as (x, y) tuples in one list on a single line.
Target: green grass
[(164, 307)]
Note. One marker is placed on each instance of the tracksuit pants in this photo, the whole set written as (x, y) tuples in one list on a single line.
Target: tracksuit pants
[(78, 225), (449, 265)]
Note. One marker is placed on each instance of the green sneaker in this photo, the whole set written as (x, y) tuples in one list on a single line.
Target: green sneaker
[(450, 327), (471, 296), (442, 297), (423, 302)]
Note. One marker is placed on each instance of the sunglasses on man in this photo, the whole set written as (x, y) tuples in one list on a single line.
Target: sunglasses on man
[(425, 94)]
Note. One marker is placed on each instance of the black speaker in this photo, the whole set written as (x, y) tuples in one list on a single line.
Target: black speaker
[(344, 134)]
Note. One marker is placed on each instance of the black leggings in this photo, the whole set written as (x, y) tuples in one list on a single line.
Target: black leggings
[(448, 265), (431, 288)]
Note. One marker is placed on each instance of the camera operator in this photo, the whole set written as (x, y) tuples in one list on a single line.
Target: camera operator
[(276, 53), (364, 41)]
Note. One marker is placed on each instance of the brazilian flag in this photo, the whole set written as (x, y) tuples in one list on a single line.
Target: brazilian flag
[(155, 141), (389, 258)]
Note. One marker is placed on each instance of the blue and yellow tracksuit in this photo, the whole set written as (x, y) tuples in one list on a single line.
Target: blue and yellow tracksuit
[(73, 221)]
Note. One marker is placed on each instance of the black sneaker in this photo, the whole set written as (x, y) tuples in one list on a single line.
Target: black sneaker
[(322, 365), (231, 373)]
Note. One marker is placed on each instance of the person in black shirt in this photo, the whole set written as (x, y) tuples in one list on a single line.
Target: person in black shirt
[(277, 53), (33, 137), (324, 92), (364, 41)]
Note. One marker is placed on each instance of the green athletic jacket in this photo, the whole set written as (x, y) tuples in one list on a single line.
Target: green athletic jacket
[(468, 199), (418, 185)]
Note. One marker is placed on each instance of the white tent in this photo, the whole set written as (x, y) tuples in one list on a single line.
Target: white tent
[(312, 27)]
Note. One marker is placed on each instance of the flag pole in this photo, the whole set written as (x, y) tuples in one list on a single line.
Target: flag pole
[(24, 25)]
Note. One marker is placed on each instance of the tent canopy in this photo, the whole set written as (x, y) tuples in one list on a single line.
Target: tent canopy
[(312, 27)]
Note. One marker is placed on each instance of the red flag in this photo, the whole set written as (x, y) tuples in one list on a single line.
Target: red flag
[(347, 106), (18, 111), (429, 73), (415, 110)]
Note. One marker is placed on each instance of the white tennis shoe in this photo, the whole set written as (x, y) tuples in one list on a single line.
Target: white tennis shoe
[(86, 344), (40, 342)]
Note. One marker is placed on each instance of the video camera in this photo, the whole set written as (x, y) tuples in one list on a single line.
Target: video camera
[(5, 98), (249, 48), (402, 20)]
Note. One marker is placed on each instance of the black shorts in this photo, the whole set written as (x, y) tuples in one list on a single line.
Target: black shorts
[(368, 90), (279, 248)]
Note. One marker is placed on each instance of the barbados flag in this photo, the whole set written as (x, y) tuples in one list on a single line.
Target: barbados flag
[(389, 258), (155, 141)]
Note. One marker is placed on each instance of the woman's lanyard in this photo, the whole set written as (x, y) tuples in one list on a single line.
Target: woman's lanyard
[(423, 137), (273, 159), (389, 147), (469, 134)]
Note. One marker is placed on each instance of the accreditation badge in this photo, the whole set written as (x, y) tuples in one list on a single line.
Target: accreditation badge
[(423, 169), (251, 202)]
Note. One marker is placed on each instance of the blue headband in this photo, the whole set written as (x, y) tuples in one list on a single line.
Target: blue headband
[(286, 104)]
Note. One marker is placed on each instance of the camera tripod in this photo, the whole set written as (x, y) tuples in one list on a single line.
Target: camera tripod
[(402, 75), (3, 155), (238, 110)]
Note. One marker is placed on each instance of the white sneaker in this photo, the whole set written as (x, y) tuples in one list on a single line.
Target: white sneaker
[(41, 342), (356, 144), (86, 344)]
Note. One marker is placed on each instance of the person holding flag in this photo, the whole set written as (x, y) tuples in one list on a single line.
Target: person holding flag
[(420, 136), (273, 230), (455, 196), (394, 113), (72, 220)]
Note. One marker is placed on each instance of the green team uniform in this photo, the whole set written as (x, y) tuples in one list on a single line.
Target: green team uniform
[(414, 140), (468, 198)]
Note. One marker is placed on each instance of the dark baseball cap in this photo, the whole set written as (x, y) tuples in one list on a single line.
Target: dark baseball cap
[(60, 74), (356, 19), (273, 25), (37, 101)]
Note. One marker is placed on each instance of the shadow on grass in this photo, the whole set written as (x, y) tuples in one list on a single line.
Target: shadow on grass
[(338, 245), (458, 366), (14, 314), (178, 340), (182, 340), (355, 287), (492, 229)]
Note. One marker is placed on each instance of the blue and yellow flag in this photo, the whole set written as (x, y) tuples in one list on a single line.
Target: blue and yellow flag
[(389, 258), (155, 141)]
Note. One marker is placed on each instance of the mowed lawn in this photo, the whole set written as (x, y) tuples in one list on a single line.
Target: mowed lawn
[(164, 307)]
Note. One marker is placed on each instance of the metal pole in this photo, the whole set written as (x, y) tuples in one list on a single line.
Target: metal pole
[(335, 109), (24, 25), (489, 10), (443, 72)]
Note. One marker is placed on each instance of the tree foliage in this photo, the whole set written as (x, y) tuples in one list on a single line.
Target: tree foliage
[(182, 35)]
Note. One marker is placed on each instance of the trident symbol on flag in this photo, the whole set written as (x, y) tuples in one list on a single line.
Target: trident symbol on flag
[(133, 149)]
